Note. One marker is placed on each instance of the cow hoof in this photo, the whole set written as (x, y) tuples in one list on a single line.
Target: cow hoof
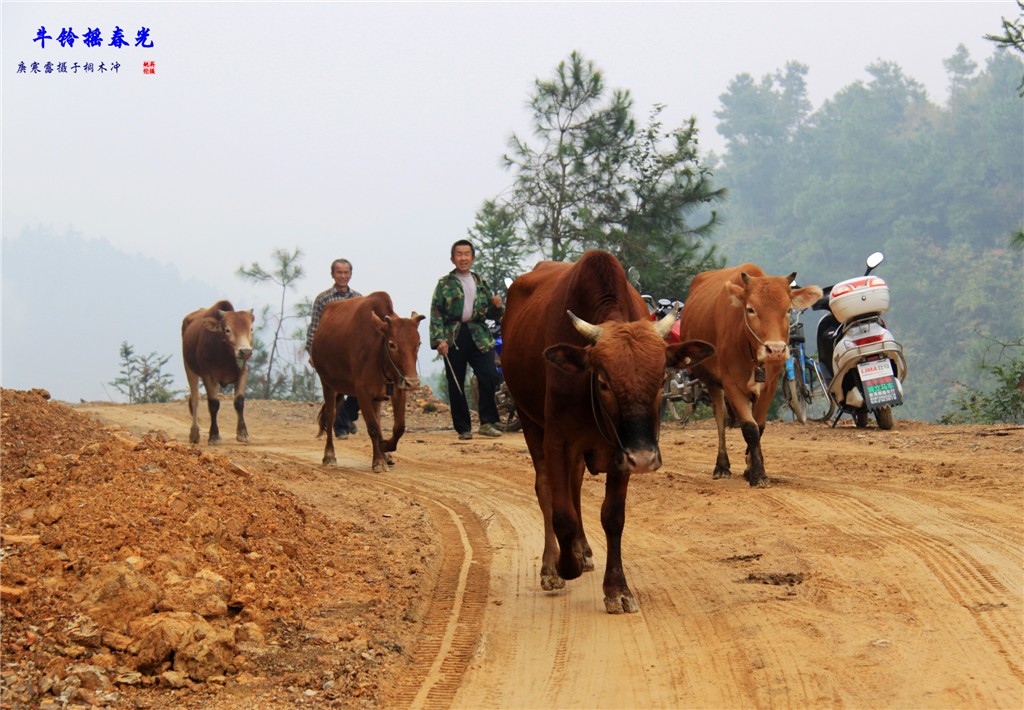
[(330, 461), (390, 461), (193, 438), (761, 482), (244, 438), (213, 440), (621, 604), (588, 563), (380, 467), (551, 582), (722, 473)]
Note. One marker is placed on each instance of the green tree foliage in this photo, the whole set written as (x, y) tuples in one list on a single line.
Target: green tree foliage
[(881, 167), (142, 379), (1000, 397), (286, 271), (593, 179), (500, 251), (291, 379), (1012, 36)]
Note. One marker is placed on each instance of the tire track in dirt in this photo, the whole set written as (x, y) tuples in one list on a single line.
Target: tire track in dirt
[(969, 582), (451, 625)]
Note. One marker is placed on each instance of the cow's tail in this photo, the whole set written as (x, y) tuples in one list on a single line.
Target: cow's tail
[(323, 421)]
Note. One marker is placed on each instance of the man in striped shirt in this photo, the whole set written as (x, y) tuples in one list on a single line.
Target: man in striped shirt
[(341, 271)]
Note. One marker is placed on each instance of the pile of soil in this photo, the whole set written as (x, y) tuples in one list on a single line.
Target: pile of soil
[(138, 570)]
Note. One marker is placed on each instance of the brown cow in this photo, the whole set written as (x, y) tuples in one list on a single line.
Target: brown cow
[(587, 387), (216, 346), (745, 314), (362, 348)]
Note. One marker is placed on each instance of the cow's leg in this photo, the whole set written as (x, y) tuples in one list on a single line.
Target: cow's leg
[(241, 433), (327, 412), (193, 404), (561, 465), (752, 432), (717, 396), (371, 416), (398, 401), (580, 546), (754, 473), (213, 404), (534, 435), (738, 398), (617, 596)]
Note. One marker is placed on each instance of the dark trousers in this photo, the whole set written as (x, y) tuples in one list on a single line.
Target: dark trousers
[(345, 414), (464, 353)]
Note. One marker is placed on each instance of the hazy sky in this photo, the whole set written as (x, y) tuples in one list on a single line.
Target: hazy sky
[(371, 131)]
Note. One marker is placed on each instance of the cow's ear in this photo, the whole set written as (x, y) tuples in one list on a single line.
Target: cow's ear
[(688, 354), (805, 297), (417, 317), (735, 292), (570, 358), (378, 323)]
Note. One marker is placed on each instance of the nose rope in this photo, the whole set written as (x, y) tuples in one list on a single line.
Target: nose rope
[(747, 323), (385, 353), (594, 403)]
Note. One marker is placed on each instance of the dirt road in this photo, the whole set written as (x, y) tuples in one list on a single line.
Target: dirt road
[(881, 569)]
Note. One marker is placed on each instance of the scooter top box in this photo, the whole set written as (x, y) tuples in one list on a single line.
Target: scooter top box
[(858, 297)]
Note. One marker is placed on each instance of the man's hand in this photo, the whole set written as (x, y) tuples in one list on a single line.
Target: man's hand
[(496, 300), (442, 348)]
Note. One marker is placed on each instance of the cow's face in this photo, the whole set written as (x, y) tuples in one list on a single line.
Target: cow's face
[(402, 340), (766, 303), (235, 328), (626, 364)]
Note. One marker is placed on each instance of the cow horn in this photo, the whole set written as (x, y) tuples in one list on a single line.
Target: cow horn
[(791, 278), (746, 277), (588, 330), (664, 325)]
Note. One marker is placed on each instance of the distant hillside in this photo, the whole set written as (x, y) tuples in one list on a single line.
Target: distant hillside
[(69, 302)]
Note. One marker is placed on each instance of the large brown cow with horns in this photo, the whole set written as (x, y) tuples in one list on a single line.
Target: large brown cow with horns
[(585, 366), (362, 348), (745, 314)]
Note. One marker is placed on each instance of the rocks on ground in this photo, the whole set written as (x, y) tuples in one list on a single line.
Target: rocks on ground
[(136, 569)]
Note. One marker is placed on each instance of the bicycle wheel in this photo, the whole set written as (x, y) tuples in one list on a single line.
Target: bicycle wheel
[(819, 404)]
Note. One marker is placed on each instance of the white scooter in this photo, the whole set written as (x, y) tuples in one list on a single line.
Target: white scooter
[(861, 360)]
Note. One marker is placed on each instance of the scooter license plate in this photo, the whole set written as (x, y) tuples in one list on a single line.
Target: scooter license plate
[(879, 383)]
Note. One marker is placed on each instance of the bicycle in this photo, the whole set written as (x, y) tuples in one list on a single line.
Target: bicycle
[(803, 387)]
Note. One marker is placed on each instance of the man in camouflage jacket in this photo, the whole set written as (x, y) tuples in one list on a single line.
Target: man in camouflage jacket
[(460, 335)]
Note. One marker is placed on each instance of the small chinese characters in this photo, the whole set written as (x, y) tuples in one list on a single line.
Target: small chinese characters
[(72, 68)]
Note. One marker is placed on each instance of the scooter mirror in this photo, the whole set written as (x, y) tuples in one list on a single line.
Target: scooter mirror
[(874, 260)]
